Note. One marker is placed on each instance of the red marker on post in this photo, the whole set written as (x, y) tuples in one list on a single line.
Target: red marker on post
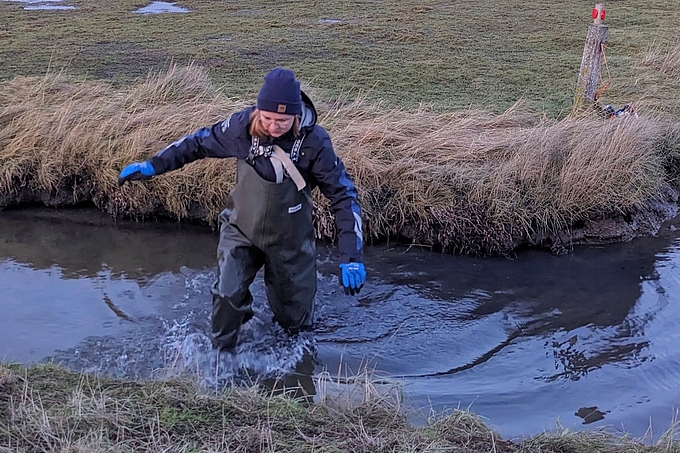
[(589, 76), (598, 13)]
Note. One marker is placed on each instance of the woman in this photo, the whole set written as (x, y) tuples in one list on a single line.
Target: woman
[(282, 154)]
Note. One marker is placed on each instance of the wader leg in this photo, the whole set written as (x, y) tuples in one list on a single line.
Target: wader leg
[(238, 263), (290, 280)]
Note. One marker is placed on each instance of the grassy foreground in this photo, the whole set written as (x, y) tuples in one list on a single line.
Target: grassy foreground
[(46, 408)]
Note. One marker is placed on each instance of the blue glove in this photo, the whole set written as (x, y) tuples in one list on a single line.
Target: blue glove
[(353, 277), (138, 171)]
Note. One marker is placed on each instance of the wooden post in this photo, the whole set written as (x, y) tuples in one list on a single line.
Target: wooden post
[(589, 76)]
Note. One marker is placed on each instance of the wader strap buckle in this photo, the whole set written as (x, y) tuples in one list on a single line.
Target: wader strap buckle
[(256, 150), (280, 158)]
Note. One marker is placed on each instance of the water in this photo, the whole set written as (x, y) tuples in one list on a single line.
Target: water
[(151, 8), (161, 7), (586, 340), (43, 5)]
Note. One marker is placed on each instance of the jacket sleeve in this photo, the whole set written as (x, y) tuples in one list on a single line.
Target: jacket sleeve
[(218, 140), (336, 185)]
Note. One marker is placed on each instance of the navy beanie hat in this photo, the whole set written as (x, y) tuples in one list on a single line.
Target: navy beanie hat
[(280, 93)]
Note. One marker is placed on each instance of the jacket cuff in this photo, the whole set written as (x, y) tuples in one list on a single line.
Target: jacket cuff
[(157, 165)]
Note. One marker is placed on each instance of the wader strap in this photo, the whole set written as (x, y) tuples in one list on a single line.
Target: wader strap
[(278, 168), (295, 152), (256, 150), (290, 167)]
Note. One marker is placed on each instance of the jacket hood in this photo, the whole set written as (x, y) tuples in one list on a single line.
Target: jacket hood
[(308, 116)]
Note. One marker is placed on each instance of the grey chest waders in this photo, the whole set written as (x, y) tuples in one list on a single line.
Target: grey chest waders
[(270, 225)]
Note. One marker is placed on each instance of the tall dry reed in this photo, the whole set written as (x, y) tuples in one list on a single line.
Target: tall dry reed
[(468, 181)]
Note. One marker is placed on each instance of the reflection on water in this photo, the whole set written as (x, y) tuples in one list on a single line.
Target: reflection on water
[(68, 277), (588, 339)]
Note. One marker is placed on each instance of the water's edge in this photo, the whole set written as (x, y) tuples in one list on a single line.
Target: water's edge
[(598, 230)]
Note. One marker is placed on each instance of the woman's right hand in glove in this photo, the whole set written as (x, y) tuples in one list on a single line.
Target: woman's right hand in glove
[(138, 171)]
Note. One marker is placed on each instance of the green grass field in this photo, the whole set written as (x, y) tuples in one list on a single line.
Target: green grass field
[(453, 55)]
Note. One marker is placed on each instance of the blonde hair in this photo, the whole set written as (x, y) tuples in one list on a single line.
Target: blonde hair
[(257, 129)]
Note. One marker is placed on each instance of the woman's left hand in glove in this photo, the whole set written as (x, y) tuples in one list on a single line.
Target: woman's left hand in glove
[(353, 277)]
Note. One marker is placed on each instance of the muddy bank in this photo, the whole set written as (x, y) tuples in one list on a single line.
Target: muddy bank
[(644, 222), (483, 238)]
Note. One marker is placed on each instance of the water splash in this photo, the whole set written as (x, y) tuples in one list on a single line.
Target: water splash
[(264, 351)]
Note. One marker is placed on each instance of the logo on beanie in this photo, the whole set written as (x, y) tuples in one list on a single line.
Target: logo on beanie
[(281, 108)]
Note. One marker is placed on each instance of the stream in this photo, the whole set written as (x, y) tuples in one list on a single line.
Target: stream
[(583, 341)]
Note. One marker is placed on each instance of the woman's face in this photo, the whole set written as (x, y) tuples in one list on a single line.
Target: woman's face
[(276, 124)]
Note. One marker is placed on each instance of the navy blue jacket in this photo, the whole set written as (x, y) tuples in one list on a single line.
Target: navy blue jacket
[(317, 162)]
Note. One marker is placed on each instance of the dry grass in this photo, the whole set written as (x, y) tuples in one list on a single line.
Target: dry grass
[(473, 179), (47, 408), (664, 58), (468, 181), (65, 142)]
